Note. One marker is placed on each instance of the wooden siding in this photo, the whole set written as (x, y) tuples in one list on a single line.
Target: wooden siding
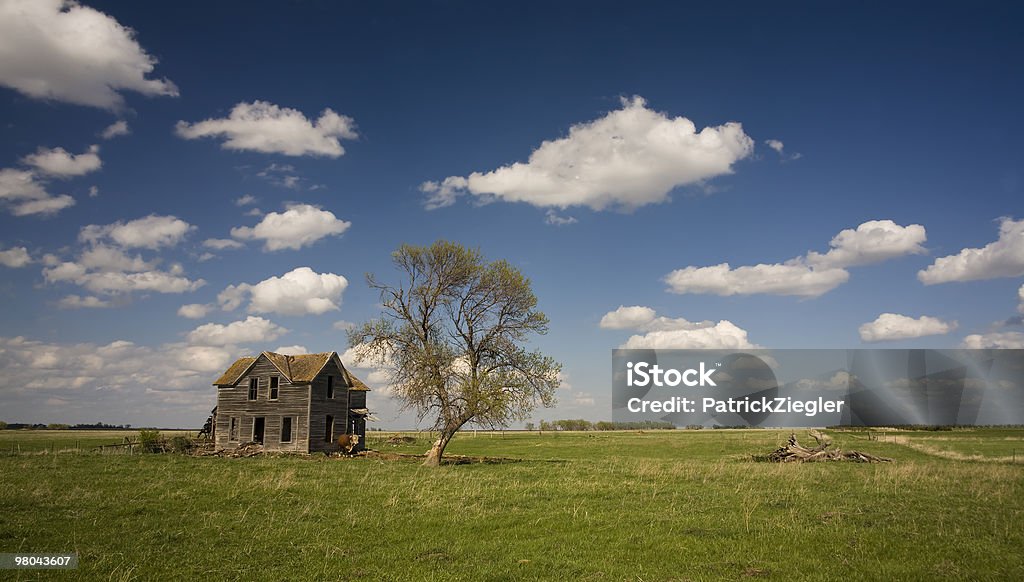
[(320, 407), (293, 401)]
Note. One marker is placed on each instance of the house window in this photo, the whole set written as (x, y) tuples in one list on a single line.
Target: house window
[(254, 388), (259, 427), (233, 433), (273, 387), (286, 429), (329, 428), (330, 386)]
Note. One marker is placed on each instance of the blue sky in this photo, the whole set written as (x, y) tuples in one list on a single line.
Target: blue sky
[(885, 134)]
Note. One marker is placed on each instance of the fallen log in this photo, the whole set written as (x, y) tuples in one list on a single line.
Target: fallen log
[(793, 451)]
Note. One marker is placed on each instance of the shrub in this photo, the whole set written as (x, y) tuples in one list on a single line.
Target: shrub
[(182, 444), (151, 440)]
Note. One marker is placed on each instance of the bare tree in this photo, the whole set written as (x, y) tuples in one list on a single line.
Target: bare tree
[(452, 334)]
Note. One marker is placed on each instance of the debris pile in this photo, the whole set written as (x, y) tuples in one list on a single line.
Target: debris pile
[(208, 429), (243, 450), (793, 451)]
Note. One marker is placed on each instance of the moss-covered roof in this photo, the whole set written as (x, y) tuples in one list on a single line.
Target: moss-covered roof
[(300, 369), (353, 382), (234, 372)]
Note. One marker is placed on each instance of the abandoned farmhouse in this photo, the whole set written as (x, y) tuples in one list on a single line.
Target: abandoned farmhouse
[(304, 403)]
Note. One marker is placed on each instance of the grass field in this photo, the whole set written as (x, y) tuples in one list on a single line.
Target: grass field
[(34, 441), (673, 505)]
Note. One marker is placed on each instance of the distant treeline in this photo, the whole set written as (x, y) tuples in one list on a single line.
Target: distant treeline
[(60, 426), (931, 427), (581, 424)]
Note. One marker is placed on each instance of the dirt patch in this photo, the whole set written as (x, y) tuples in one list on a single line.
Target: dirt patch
[(947, 454)]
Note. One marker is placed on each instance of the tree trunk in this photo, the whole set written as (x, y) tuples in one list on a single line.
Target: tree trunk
[(435, 452), (794, 451)]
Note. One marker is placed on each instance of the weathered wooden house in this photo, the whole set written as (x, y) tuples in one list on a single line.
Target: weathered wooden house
[(298, 403)]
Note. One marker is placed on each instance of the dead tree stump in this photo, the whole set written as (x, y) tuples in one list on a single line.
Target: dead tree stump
[(793, 451)]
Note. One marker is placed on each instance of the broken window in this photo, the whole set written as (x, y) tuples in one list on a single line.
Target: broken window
[(233, 433), (254, 388), (286, 429), (274, 387), (329, 429), (330, 386)]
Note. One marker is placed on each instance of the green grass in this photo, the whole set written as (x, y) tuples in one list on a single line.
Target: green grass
[(1000, 445), (676, 505), (34, 441)]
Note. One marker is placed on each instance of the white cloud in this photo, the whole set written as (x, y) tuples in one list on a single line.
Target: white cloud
[(94, 191), (105, 258), (20, 185), (61, 50), (1010, 340), (60, 163), (674, 333), (221, 244), (15, 257), (193, 310), (1020, 297), (109, 270), (553, 218), (356, 357), (245, 200), (79, 302), (283, 175), (780, 148), (443, 193), (298, 226), (563, 381), (291, 350), (251, 330), (49, 205), (633, 317), (893, 326), (24, 191), (27, 194), (342, 325), (871, 242), (264, 127), (722, 335), (791, 278), (376, 372), (118, 282), (151, 232), (808, 276), (301, 291), (582, 399), (116, 129), (120, 368), (1002, 258), (233, 296), (629, 158)]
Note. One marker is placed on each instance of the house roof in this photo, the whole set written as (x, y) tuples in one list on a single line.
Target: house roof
[(300, 369), (236, 371)]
